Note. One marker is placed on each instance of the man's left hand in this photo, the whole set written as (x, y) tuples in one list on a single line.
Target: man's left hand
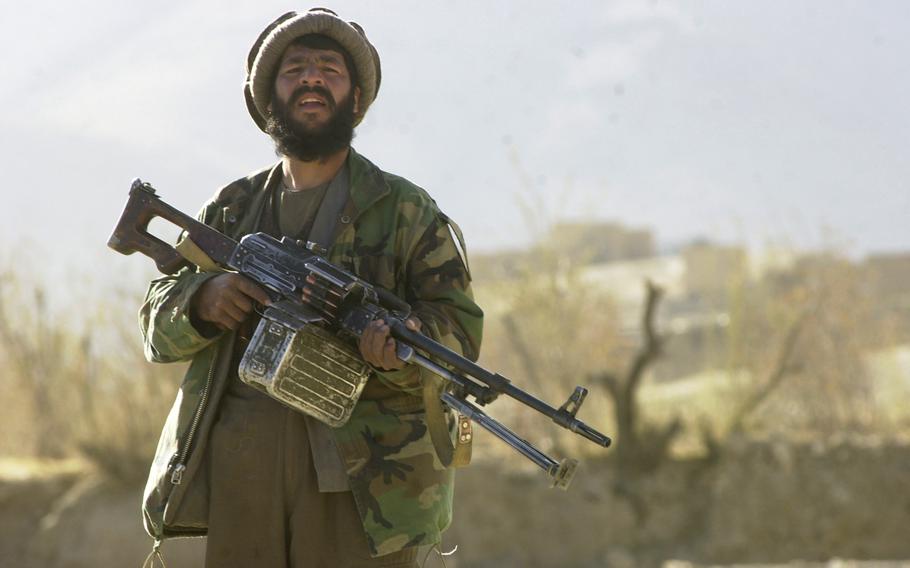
[(378, 348)]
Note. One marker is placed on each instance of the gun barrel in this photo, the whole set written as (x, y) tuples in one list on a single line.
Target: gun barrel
[(591, 434), (560, 473), (495, 382)]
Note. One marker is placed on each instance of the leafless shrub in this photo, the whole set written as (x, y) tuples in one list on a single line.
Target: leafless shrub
[(550, 330), (801, 337), (82, 388)]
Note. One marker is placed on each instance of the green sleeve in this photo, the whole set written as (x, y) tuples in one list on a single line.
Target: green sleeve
[(168, 335), (439, 291), (164, 319)]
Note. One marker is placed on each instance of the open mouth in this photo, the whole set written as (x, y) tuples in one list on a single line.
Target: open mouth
[(311, 102)]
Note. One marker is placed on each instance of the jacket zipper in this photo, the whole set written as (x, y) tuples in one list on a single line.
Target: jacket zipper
[(180, 467)]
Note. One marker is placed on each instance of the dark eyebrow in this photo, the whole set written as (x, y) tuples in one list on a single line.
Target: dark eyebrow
[(322, 58)]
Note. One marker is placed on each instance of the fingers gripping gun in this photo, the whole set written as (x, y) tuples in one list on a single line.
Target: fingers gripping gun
[(305, 287)]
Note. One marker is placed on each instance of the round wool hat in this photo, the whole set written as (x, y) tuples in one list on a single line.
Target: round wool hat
[(265, 56)]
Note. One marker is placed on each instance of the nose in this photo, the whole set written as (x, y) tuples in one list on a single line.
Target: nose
[(311, 75)]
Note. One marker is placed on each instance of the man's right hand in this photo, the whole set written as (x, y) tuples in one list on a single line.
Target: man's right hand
[(226, 300)]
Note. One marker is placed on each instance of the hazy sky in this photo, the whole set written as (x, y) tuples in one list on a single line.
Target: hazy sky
[(728, 120)]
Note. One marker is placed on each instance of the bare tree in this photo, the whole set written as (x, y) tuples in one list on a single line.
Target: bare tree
[(640, 447)]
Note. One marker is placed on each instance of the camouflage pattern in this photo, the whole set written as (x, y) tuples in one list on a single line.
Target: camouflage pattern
[(392, 234)]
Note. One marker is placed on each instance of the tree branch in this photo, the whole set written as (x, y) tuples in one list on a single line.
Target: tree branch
[(782, 369), (624, 392)]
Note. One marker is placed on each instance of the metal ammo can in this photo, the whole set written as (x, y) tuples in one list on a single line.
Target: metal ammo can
[(308, 369)]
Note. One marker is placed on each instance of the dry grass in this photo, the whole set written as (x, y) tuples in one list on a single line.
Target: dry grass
[(77, 386), (79, 389)]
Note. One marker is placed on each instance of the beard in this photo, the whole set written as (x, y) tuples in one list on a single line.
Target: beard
[(309, 143)]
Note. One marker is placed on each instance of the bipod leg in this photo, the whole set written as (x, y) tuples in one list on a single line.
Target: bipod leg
[(560, 473)]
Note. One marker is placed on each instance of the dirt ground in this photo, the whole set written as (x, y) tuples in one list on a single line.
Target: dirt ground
[(758, 505)]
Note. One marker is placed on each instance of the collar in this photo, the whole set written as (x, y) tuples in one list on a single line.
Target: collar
[(243, 204), (367, 182)]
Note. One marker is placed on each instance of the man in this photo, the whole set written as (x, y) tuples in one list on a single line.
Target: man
[(267, 484)]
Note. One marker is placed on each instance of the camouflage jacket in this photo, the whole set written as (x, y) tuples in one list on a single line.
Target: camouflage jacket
[(391, 234)]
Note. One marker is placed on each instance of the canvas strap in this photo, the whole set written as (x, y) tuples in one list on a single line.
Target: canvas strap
[(451, 455), (336, 196), (330, 471), (191, 251), (459, 453)]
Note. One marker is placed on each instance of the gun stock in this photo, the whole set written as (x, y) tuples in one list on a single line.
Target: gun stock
[(131, 233)]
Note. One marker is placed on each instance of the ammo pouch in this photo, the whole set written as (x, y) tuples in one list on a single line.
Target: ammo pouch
[(306, 368)]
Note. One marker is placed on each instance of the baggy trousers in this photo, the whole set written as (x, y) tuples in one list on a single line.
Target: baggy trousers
[(266, 510)]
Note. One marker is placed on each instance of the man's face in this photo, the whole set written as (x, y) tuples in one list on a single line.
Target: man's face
[(313, 103), (310, 82)]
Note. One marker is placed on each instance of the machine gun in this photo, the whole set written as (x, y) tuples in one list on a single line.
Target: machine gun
[(307, 290)]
